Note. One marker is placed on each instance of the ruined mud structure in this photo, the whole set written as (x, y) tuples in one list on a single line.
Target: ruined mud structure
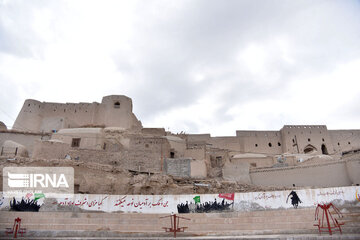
[(113, 154)]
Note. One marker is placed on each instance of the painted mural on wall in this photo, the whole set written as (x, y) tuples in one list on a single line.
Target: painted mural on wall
[(29, 203), (196, 203), (197, 206), (24, 205)]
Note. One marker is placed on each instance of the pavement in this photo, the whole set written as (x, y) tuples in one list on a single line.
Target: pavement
[(252, 237)]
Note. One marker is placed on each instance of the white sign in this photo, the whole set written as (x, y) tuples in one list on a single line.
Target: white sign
[(51, 181)]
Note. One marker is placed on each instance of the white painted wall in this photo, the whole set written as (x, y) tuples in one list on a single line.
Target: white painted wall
[(341, 196)]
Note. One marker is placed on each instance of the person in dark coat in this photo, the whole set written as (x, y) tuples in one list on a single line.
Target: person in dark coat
[(295, 200)]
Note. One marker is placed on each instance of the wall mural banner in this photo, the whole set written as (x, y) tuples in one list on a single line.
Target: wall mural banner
[(194, 203)]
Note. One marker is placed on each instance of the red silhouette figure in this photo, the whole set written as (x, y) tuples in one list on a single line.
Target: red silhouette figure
[(174, 221), (335, 225), (16, 228)]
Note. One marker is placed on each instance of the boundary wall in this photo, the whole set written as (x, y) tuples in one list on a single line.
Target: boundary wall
[(251, 201), (319, 175), (28, 140)]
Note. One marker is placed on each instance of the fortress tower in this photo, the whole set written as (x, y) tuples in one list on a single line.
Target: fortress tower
[(113, 111)]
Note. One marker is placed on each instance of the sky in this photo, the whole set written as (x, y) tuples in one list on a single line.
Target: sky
[(197, 66)]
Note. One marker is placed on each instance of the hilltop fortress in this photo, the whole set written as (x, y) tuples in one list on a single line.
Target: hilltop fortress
[(113, 111), (109, 133)]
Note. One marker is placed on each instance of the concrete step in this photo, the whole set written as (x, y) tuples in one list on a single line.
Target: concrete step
[(288, 212), (61, 224), (227, 237)]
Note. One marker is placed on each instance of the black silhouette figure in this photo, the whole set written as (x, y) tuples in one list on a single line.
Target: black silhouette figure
[(24, 205), (205, 207), (295, 200)]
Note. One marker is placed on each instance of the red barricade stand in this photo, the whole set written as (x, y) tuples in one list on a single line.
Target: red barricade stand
[(328, 226), (16, 228), (174, 221)]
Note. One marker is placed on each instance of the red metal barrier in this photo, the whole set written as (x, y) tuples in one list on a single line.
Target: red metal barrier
[(334, 225), (16, 228), (174, 221)]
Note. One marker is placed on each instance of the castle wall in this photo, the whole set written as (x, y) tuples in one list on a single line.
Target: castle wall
[(198, 139), (231, 143), (269, 142), (297, 137), (345, 140), (114, 111), (293, 139), (29, 118), (323, 175)]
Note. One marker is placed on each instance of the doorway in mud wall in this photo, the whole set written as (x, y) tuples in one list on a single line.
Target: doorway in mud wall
[(324, 149)]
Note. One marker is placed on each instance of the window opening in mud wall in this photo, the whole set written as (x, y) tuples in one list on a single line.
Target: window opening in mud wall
[(309, 148), (324, 149), (172, 154), (117, 105), (218, 161), (75, 142)]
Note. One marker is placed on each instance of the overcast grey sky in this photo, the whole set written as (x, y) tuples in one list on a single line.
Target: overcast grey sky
[(209, 66)]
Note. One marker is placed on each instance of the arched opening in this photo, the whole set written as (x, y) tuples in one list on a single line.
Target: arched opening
[(309, 149), (117, 105), (324, 149)]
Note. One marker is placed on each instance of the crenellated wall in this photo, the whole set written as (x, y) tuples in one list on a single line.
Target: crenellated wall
[(113, 111), (292, 139), (298, 138)]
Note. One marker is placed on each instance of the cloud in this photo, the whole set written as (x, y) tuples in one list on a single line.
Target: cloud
[(199, 66)]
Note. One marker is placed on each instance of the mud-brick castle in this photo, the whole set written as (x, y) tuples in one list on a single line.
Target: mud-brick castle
[(110, 133)]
